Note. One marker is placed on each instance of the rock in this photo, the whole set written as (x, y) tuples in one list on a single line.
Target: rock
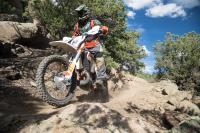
[(190, 125), (173, 100), (33, 83), (196, 100), (188, 107), (88, 118), (49, 36), (178, 97), (119, 84), (23, 33), (169, 107), (13, 51), (20, 50), (166, 90), (13, 31), (131, 107), (173, 118), (10, 73), (10, 67), (169, 88), (184, 95), (157, 89), (13, 75)]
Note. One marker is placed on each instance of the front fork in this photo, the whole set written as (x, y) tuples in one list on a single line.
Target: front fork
[(69, 72)]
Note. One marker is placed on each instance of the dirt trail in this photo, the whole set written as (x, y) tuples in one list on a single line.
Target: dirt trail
[(133, 91), (138, 92), (138, 103)]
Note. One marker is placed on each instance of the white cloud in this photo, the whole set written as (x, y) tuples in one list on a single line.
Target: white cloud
[(187, 3), (170, 10), (162, 8), (149, 62), (148, 69), (147, 52), (140, 29), (131, 14), (139, 4), (149, 66), (136, 27)]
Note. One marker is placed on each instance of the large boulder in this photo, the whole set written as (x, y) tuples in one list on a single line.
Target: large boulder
[(196, 100), (188, 107), (169, 88), (173, 118), (14, 31), (89, 118), (23, 33), (190, 125)]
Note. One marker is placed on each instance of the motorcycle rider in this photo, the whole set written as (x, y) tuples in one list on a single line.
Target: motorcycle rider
[(84, 23)]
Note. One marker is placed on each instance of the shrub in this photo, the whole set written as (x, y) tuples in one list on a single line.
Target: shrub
[(178, 58)]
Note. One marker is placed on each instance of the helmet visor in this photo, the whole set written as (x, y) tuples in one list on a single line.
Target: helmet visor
[(81, 13)]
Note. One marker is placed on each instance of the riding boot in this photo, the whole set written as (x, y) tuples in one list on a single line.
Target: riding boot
[(101, 69), (99, 76)]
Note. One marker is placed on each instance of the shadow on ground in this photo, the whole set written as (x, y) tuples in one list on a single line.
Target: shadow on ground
[(17, 107), (102, 118)]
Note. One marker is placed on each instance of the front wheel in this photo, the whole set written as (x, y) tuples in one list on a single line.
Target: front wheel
[(54, 93)]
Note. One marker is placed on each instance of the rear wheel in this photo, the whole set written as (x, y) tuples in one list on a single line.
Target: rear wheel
[(56, 93)]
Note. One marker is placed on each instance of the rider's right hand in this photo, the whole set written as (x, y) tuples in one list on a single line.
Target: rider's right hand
[(104, 30)]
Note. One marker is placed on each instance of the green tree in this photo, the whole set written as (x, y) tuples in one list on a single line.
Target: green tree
[(121, 45), (16, 7), (6, 7), (178, 58)]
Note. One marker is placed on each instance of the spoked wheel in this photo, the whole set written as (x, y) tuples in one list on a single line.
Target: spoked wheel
[(49, 78)]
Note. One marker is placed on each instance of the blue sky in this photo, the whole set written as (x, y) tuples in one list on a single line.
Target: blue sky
[(153, 18)]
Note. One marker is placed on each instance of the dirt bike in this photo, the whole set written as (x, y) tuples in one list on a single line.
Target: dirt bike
[(57, 76)]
